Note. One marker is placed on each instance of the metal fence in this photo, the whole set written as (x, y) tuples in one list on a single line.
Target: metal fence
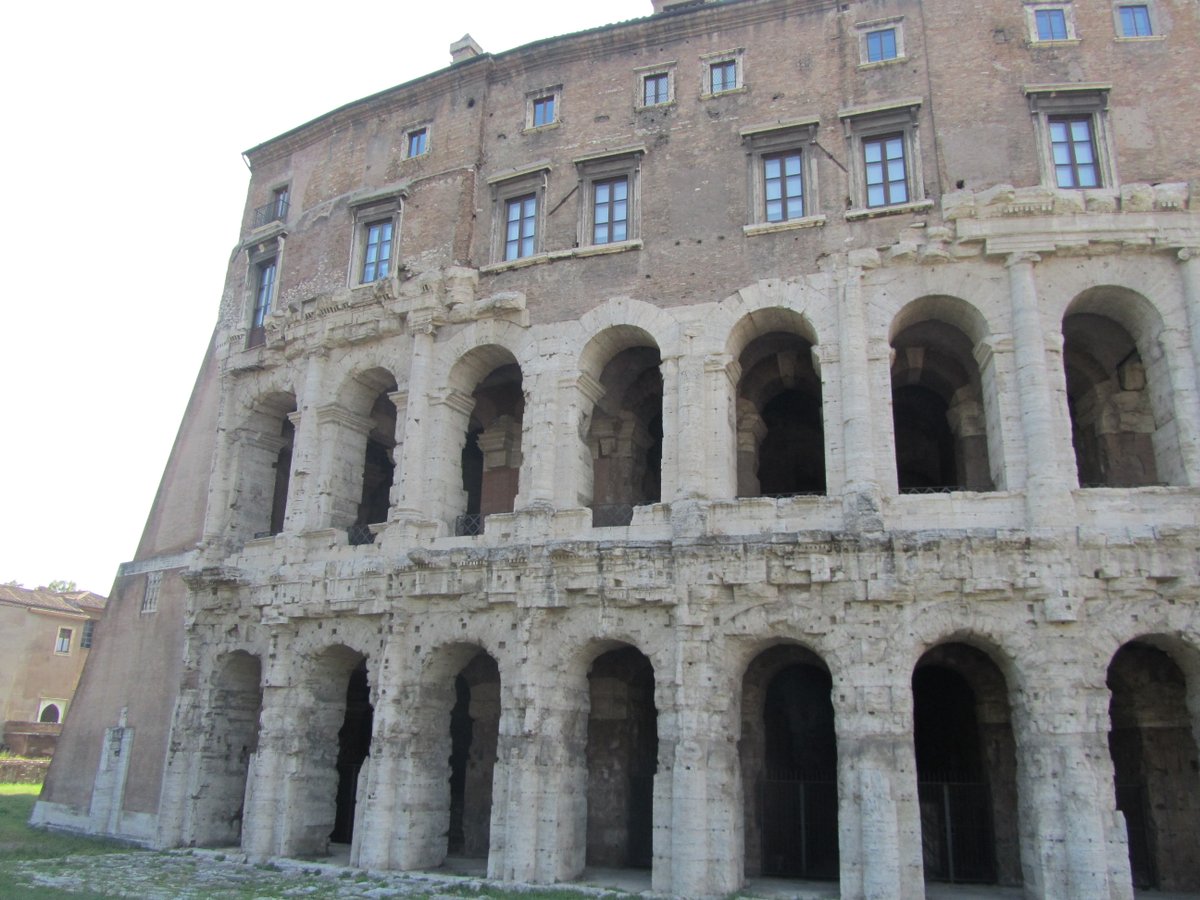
[(469, 525), (607, 515), (956, 831), (799, 827)]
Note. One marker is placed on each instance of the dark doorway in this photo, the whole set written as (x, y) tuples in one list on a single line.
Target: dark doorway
[(1155, 768), (283, 474), (354, 745), (622, 757), (474, 732)]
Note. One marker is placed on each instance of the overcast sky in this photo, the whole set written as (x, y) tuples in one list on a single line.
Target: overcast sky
[(124, 188)]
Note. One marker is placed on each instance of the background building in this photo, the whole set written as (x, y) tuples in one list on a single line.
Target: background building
[(759, 438), (45, 638)]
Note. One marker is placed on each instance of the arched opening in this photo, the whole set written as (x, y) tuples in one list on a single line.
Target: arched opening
[(789, 766), (51, 715), (264, 466), (938, 414), (474, 733), (354, 746), (780, 424), (625, 436), (966, 768), (1117, 391), (1155, 765), (491, 450), (622, 759), (379, 466), (231, 740)]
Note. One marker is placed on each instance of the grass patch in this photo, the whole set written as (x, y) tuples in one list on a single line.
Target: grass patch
[(19, 841)]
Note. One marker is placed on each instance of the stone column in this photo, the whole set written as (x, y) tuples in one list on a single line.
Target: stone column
[(1187, 407), (537, 440), (414, 465), (1046, 425), (1074, 844), (719, 401), (252, 471), (343, 437), (400, 401), (691, 423), (303, 503), (577, 397), (879, 824), (265, 813), (750, 433), (1002, 409), (670, 485), (862, 504)]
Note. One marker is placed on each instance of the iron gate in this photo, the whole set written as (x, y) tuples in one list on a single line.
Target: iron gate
[(956, 831), (799, 827)]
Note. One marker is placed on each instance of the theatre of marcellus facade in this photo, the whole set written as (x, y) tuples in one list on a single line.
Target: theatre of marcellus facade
[(757, 439)]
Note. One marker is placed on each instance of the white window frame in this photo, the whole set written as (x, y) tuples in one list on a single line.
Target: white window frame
[(150, 594), (623, 163), (1032, 7), (644, 72), (511, 185), (553, 92), (708, 60), (371, 208), (1156, 29), (410, 132), (864, 29), (862, 123), (1052, 101), (764, 141), (67, 635), (49, 701)]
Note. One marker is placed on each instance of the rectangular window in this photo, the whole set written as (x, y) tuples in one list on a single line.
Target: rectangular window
[(1074, 152), (881, 45), (610, 211), (62, 644), (656, 89), (520, 231), (886, 173), (1051, 24), (281, 203), (722, 76), (783, 187), (89, 632), (150, 598), (417, 142), (377, 251), (543, 111), (263, 292), (1135, 21)]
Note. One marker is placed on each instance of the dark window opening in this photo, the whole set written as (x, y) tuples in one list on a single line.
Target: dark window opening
[(50, 715), (491, 454), (474, 733), (283, 474), (354, 746)]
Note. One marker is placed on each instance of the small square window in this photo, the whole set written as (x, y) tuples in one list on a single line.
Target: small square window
[(520, 228), (1135, 21), (881, 45), (656, 89), (417, 142), (1051, 24), (722, 76), (377, 251), (543, 111), (62, 644)]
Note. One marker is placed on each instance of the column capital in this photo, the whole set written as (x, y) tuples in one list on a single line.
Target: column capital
[(1021, 257), (1187, 254)]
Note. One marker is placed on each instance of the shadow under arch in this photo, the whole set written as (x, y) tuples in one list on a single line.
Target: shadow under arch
[(1152, 740)]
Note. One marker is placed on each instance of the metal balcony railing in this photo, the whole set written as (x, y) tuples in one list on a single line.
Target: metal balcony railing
[(360, 534), (933, 489), (275, 211), (609, 515), (469, 525)]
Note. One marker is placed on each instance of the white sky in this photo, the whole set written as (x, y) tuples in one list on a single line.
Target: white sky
[(125, 124)]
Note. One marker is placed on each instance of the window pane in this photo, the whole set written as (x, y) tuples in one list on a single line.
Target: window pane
[(1051, 24), (1087, 176), (601, 234), (875, 196), (1135, 21), (602, 189), (873, 151)]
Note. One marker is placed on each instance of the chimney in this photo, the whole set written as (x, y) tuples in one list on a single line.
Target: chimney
[(463, 49)]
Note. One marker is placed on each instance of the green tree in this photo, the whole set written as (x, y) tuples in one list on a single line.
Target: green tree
[(61, 587)]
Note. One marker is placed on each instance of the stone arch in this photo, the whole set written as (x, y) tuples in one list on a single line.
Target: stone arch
[(780, 437), (788, 753), (265, 439), (624, 439), (966, 764), (50, 714), (941, 410), (359, 437), (485, 406), (226, 748), (618, 314), (1153, 684), (1119, 390)]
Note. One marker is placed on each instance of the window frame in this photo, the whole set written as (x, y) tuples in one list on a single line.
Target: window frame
[(865, 30), (150, 593), (63, 640), (1152, 17), (644, 73), (88, 637), (531, 181), (610, 166), (412, 133), (370, 209), (281, 199), (526, 207), (260, 255), (1067, 9), (379, 235), (865, 124), (764, 142), (1056, 102), (711, 60), (553, 94)]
